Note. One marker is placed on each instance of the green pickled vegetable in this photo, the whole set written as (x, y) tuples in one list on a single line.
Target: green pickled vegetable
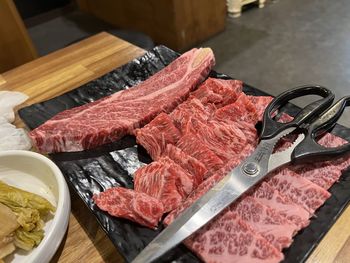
[(14, 197), (29, 209)]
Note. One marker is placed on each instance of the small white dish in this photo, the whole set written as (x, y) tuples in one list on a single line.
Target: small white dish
[(36, 173)]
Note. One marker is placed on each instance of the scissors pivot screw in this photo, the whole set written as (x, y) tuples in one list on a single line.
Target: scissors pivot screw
[(250, 168)]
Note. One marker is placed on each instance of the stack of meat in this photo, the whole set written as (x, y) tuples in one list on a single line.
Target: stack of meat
[(196, 145), (195, 135)]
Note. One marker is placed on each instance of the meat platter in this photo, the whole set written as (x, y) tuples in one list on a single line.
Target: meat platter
[(114, 164)]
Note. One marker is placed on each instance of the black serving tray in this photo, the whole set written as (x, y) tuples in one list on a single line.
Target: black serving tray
[(110, 165)]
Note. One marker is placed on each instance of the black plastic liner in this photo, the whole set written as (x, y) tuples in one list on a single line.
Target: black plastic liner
[(92, 171)]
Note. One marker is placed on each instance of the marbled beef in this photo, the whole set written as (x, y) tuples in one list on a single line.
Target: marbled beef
[(112, 117)]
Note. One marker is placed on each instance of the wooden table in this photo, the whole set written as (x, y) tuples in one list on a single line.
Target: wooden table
[(79, 63)]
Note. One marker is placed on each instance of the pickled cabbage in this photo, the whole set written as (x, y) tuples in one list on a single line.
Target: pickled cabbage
[(26, 211)]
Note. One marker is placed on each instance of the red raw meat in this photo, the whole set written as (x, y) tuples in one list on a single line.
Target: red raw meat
[(190, 164), (325, 173), (112, 117), (226, 141), (191, 109), (230, 239), (218, 91), (157, 134), (300, 190), (126, 203), (261, 103), (243, 114), (241, 110), (268, 223), (331, 140), (191, 145), (267, 195), (208, 184), (165, 181)]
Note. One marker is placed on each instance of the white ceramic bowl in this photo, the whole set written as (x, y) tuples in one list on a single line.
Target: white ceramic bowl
[(36, 173)]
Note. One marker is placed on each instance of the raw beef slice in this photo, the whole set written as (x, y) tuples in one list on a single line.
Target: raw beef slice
[(191, 109), (300, 190), (243, 114), (322, 173), (242, 110), (218, 91), (112, 117), (268, 196), (194, 147), (157, 134), (261, 102), (165, 181), (226, 141), (208, 184), (188, 163), (268, 223), (230, 239), (126, 203)]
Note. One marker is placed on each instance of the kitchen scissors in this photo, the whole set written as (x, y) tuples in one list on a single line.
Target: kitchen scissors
[(310, 123)]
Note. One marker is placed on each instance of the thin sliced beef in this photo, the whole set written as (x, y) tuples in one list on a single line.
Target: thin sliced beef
[(112, 117), (218, 91), (165, 181), (331, 140), (157, 134), (126, 203), (230, 239), (191, 109), (300, 190), (194, 147), (322, 173), (268, 223), (190, 164), (267, 195)]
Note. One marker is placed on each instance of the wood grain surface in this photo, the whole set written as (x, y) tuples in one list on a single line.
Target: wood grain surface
[(15, 44), (79, 63), (178, 24)]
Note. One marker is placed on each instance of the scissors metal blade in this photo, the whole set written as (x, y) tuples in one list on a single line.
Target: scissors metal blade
[(197, 215)]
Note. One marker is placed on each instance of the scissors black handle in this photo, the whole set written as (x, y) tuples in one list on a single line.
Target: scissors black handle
[(271, 127), (308, 148)]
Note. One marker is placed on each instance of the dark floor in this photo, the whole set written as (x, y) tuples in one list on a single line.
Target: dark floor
[(286, 44)]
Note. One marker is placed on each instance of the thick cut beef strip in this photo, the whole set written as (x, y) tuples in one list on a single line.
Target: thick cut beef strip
[(157, 134), (126, 203), (165, 181), (190, 164), (112, 117), (267, 195), (230, 239), (300, 190), (191, 145), (268, 223), (218, 91)]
